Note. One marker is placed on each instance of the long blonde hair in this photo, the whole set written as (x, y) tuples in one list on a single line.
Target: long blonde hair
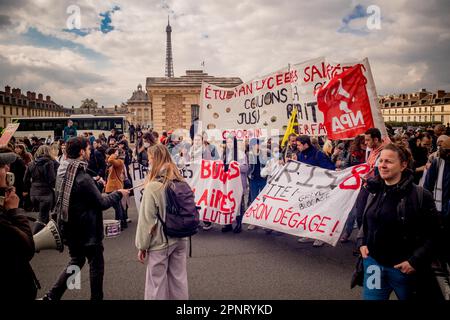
[(161, 160)]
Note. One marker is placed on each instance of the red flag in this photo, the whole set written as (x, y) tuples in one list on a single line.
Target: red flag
[(345, 104)]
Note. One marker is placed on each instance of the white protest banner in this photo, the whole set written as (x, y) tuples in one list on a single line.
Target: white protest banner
[(8, 132), (307, 201), (251, 109), (138, 173), (318, 73), (217, 192)]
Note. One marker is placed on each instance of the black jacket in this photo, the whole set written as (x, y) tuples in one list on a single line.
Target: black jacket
[(85, 223), (18, 167), (419, 225), (432, 178), (40, 177), (97, 163), (17, 279)]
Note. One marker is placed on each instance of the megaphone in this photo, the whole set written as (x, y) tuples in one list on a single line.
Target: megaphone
[(48, 238)]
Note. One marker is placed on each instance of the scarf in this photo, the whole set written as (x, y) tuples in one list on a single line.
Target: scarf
[(62, 204), (374, 154)]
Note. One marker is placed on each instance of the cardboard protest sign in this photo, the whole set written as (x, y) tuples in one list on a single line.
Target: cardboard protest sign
[(255, 107), (138, 174), (217, 192), (260, 108), (307, 201), (8, 132)]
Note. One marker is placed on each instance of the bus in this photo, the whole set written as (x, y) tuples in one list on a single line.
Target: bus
[(43, 127)]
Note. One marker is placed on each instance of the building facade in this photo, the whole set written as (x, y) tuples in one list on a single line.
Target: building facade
[(90, 106), (175, 101), (13, 104), (417, 107), (139, 108)]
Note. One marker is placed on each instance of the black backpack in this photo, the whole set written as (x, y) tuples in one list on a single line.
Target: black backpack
[(182, 214)]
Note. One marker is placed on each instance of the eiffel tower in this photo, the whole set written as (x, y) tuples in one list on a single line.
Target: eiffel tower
[(169, 60)]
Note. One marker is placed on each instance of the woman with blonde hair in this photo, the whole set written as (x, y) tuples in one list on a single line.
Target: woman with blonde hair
[(167, 257), (39, 181), (328, 148)]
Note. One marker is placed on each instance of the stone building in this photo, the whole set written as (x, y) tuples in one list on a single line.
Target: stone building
[(139, 108), (90, 106), (14, 104), (421, 106), (175, 101)]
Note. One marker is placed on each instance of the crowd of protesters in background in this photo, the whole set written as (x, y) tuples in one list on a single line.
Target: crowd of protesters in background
[(399, 162)]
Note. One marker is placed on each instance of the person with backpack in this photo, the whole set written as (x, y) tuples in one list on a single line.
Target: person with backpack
[(167, 216), (39, 182), (399, 232)]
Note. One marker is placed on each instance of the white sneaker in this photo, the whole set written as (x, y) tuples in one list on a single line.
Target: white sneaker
[(251, 227), (318, 243), (128, 220), (305, 240)]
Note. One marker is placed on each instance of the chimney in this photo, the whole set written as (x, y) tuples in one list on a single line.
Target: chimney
[(115, 108), (48, 98), (8, 90), (40, 96), (440, 93), (103, 107), (16, 92), (29, 95), (33, 96), (72, 107)]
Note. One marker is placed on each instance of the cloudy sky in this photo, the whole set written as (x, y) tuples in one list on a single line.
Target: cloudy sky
[(111, 46)]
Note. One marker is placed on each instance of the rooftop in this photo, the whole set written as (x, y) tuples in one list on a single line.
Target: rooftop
[(193, 78)]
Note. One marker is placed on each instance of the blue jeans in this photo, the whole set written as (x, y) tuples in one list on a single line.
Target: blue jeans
[(380, 281), (350, 221)]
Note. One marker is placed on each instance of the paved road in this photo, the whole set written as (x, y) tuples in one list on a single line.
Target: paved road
[(249, 265)]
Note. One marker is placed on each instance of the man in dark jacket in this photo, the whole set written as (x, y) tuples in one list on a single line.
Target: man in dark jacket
[(131, 130), (437, 181), (82, 220), (17, 279), (308, 154), (97, 160)]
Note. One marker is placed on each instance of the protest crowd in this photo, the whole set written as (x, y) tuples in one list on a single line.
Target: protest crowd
[(399, 221)]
